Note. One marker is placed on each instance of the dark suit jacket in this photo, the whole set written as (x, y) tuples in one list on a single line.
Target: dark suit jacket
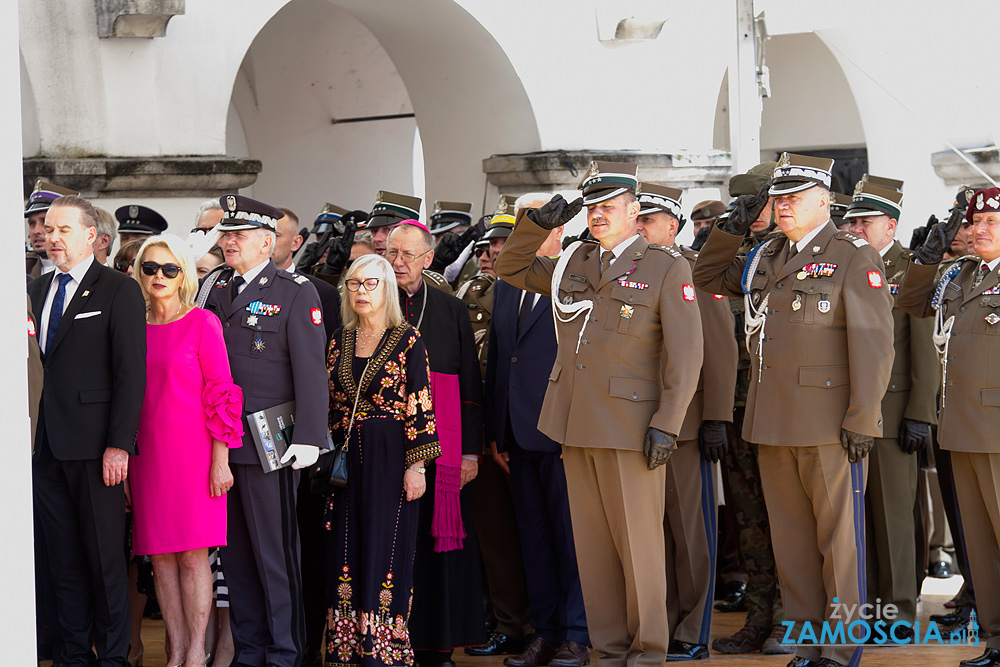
[(276, 358), (329, 299), (95, 373), (517, 369)]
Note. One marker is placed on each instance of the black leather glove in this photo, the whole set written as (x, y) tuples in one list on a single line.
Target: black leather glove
[(913, 435), (451, 246), (713, 440), (939, 238), (701, 237), (310, 255), (657, 447), (555, 212), (856, 444), (340, 250), (920, 233), (745, 212)]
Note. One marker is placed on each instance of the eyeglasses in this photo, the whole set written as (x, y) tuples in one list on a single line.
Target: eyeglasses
[(122, 265), (480, 250), (353, 284), (203, 230), (407, 257), (169, 270)]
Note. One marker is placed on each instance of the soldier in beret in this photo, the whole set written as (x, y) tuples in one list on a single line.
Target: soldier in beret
[(819, 327), (965, 302), (691, 507), (627, 367), (272, 321), (36, 259), (908, 409), (138, 223)]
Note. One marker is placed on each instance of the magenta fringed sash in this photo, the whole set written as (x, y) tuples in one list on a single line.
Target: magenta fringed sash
[(446, 525)]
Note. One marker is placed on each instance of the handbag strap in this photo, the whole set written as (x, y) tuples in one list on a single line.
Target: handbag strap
[(354, 410)]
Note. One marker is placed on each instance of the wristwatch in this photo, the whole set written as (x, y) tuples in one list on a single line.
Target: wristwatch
[(416, 469)]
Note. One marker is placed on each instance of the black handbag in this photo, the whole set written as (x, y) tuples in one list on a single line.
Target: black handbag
[(329, 473)]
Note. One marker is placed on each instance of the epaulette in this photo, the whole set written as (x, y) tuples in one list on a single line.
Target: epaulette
[(690, 254), (670, 250), (776, 234), (437, 281), (850, 237), (481, 282), (295, 277)]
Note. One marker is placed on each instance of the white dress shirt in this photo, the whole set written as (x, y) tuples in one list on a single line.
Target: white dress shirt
[(77, 273)]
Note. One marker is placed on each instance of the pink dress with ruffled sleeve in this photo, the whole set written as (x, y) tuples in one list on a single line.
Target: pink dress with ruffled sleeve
[(190, 399)]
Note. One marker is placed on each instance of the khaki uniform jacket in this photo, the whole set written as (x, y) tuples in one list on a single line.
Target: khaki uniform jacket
[(970, 417), (713, 399), (32, 264), (477, 295), (640, 355), (916, 373), (827, 341)]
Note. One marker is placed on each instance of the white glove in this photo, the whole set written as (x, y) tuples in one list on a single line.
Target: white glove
[(305, 455), (452, 270), (202, 242)]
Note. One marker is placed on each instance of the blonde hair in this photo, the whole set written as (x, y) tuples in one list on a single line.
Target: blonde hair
[(387, 278), (182, 253)]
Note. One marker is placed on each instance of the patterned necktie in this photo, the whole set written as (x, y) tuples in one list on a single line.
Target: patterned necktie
[(55, 315), (607, 257), (522, 315), (983, 271), (234, 287)]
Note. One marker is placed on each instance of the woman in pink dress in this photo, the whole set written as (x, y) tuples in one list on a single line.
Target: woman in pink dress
[(191, 415)]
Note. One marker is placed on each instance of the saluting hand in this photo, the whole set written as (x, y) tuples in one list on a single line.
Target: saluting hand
[(745, 211), (658, 446), (115, 465), (857, 444), (555, 212), (939, 238)]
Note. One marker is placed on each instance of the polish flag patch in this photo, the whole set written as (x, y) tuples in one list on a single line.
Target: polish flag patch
[(31, 327), (875, 279), (720, 297), (317, 316), (687, 292)]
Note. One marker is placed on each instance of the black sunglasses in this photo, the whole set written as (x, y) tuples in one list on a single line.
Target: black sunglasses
[(122, 265), (169, 270)]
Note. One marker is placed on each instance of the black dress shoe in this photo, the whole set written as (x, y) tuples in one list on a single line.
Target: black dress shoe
[(828, 662), (734, 599), (990, 658), (498, 644), (730, 587), (956, 620), (537, 653), (679, 651), (939, 570)]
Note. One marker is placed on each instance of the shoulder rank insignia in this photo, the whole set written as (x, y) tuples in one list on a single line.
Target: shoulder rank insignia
[(816, 271), (300, 279), (859, 242)]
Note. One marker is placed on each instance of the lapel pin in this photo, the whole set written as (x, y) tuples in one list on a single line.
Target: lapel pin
[(262, 281), (86, 292)]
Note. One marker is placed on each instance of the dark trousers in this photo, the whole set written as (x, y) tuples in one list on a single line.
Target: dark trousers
[(500, 548), (541, 505), (310, 508), (262, 567), (84, 525)]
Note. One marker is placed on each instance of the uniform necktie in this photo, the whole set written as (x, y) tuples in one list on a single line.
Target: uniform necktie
[(607, 257), (55, 315), (983, 271), (522, 315), (235, 287), (792, 251)]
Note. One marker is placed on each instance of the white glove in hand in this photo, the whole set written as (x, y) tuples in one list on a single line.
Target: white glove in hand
[(202, 242), (305, 455)]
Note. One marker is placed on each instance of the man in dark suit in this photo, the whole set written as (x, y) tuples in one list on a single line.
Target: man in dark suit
[(91, 326), (522, 350), (273, 325)]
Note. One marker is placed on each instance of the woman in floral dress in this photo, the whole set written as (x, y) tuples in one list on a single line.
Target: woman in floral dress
[(378, 362)]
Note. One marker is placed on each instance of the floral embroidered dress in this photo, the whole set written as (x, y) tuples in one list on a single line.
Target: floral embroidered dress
[(371, 527)]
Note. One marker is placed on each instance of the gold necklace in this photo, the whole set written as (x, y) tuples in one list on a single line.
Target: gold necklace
[(171, 319), (368, 338)]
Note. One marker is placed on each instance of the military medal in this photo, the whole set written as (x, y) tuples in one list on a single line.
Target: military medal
[(567, 300), (992, 319), (258, 345), (824, 306), (633, 285), (893, 288), (479, 317), (252, 320), (476, 288), (797, 304), (627, 311), (816, 271)]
